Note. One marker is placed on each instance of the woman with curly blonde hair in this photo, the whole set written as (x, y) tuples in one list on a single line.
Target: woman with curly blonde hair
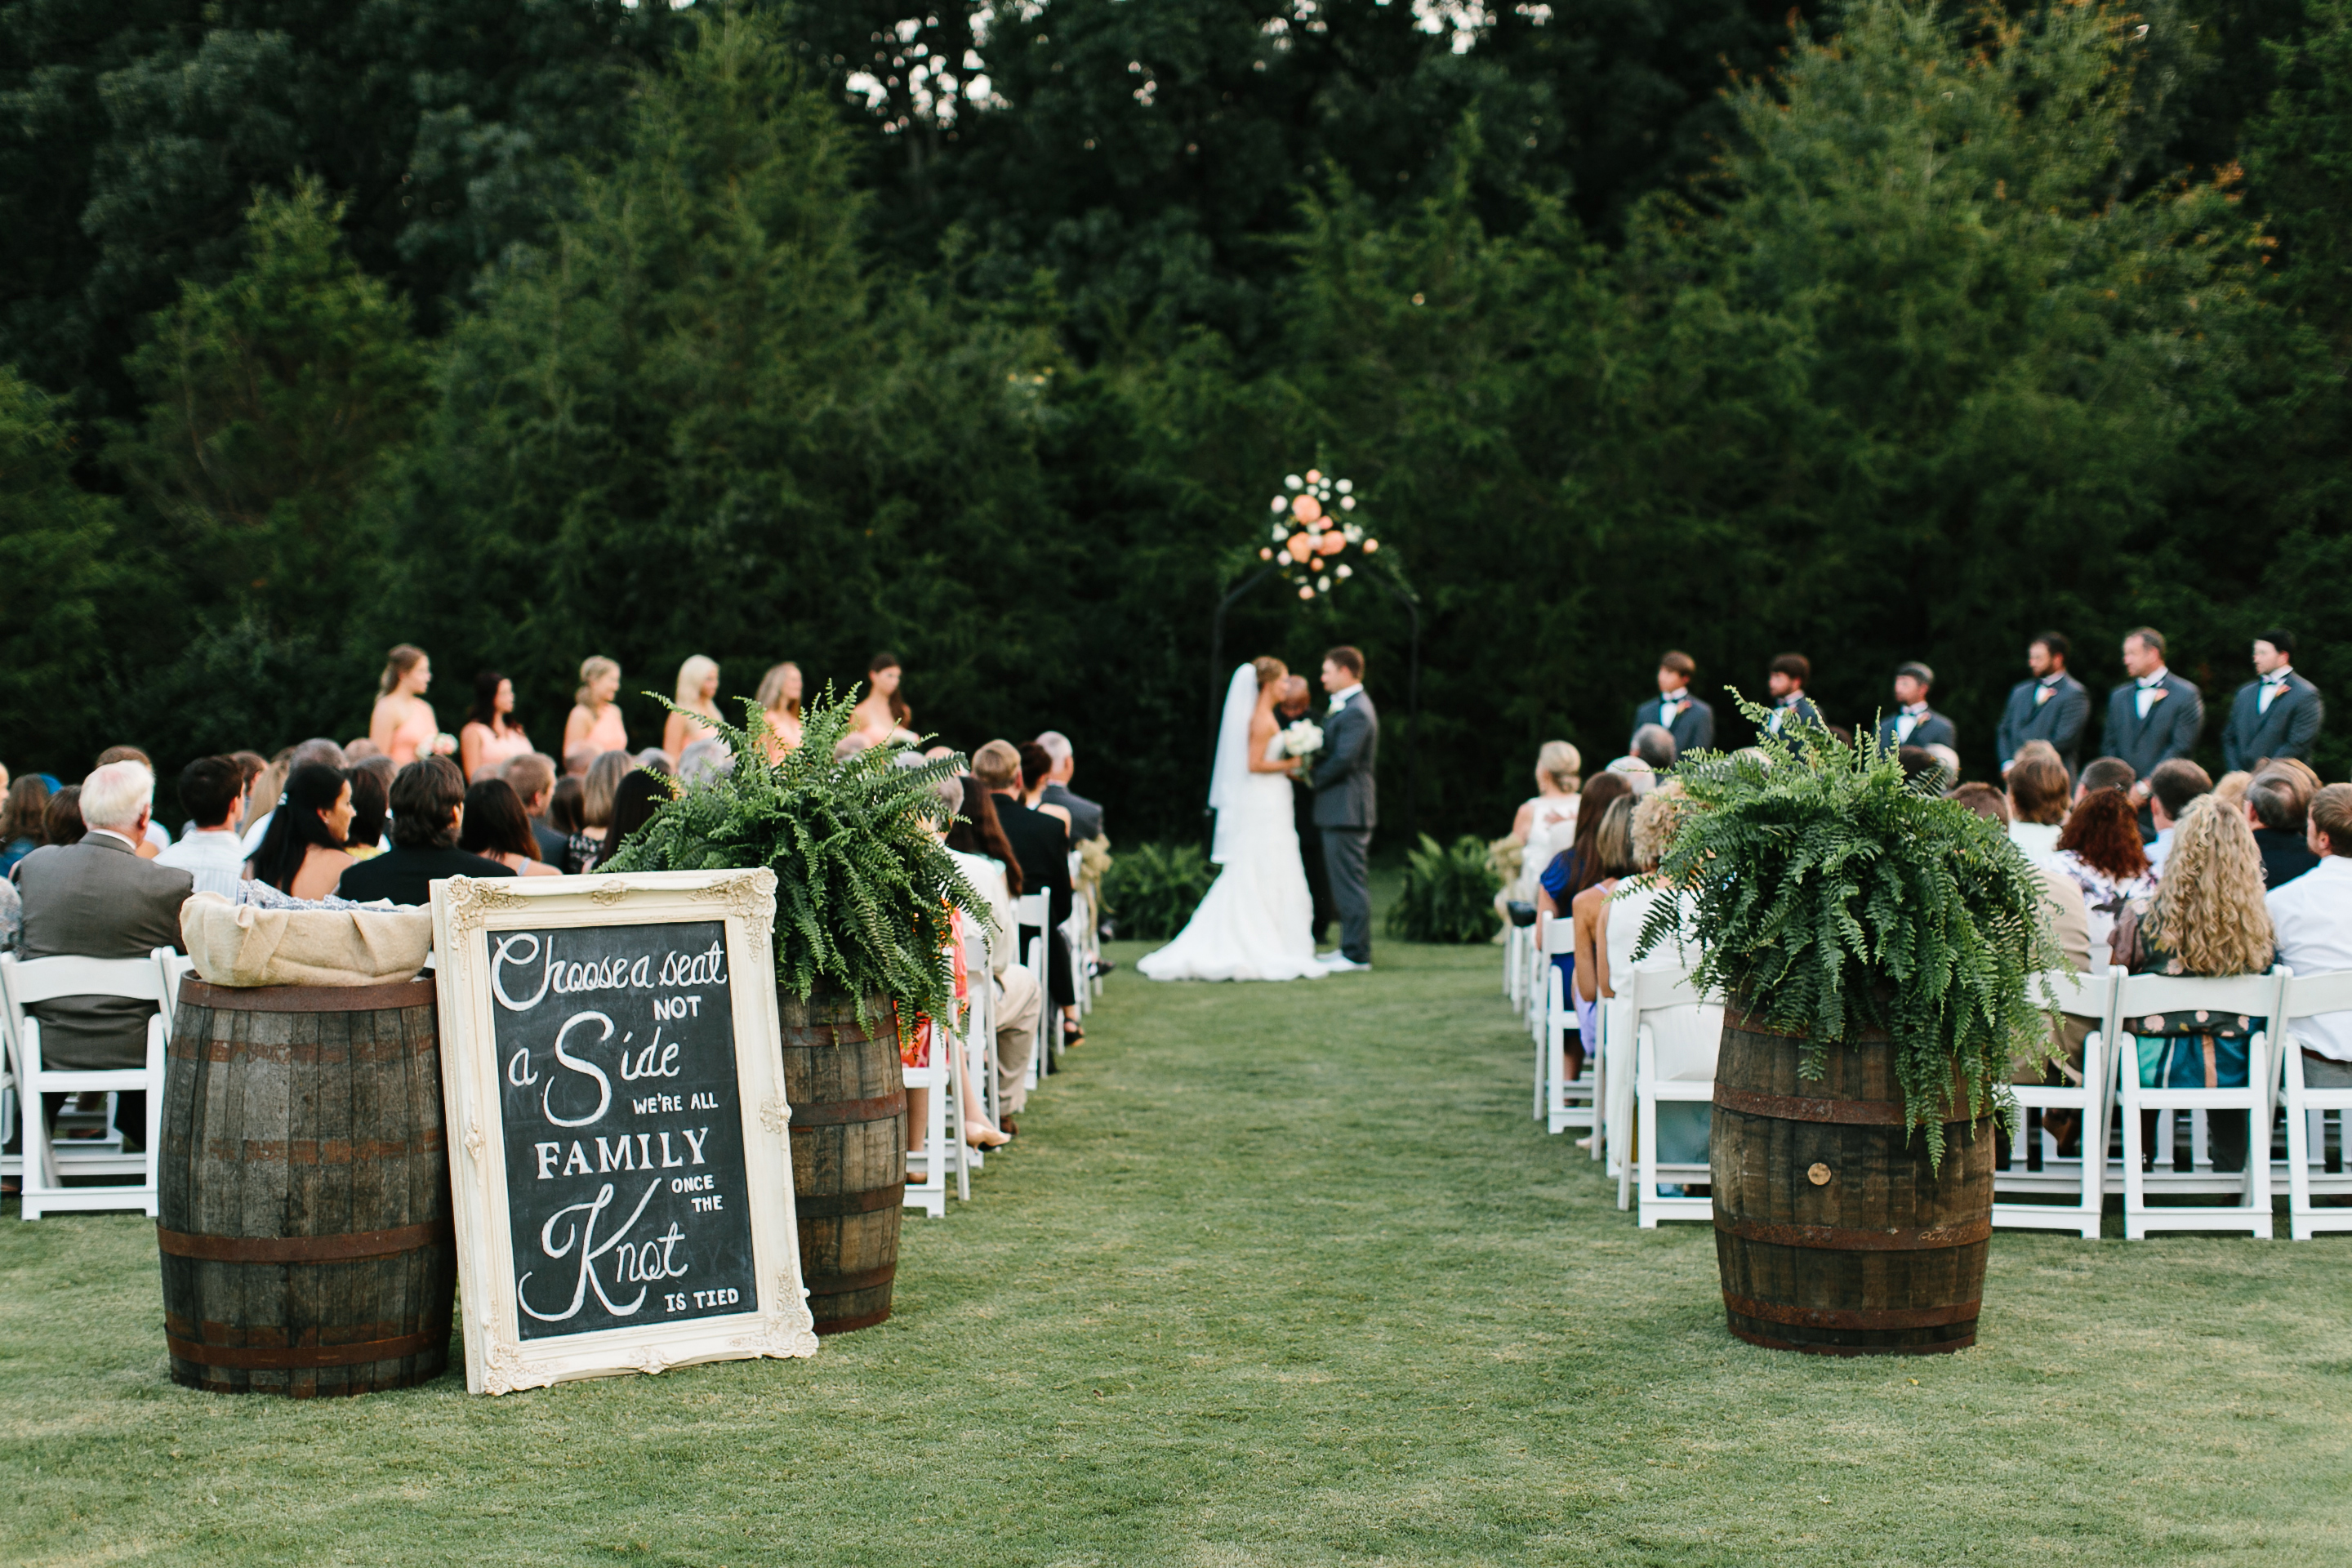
[(2206, 917)]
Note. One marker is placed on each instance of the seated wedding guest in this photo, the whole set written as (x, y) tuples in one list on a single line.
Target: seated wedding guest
[(359, 748), (2230, 788), (849, 745), (1636, 773), (1923, 770), (2099, 847), (578, 760), (302, 855), (1035, 765), (977, 844), (533, 777), (2277, 714), (1689, 722), (490, 738), (2105, 773), (12, 916), (584, 848), (1546, 822), (428, 812), (1683, 1038), (212, 792), (697, 694), (61, 823), (159, 837), (636, 800), (565, 813), (2312, 782), (2206, 917), (402, 726), (1913, 723), (371, 806), (2176, 781), (1563, 878), (2276, 808), (2310, 919), (780, 698), (882, 714), (496, 829), (21, 814), (1654, 744), (1085, 817), (704, 760), (658, 761), (264, 799), (95, 897), (928, 1039), (2037, 801), (595, 718), (1612, 861), (1041, 846)]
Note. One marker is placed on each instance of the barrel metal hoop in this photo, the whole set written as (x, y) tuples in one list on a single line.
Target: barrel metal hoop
[(1855, 1316), (392, 994), (851, 1325), (822, 1285), (837, 1113), (343, 1248), (1941, 1347), (1842, 1238), (294, 1358), (1802, 1108), (834, 1205)]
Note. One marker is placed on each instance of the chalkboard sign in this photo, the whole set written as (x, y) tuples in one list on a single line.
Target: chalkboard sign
[(610, 1062)]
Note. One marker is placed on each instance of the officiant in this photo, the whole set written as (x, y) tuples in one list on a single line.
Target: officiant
[(1290, 705)]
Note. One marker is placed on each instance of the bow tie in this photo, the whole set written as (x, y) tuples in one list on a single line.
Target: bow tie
[(2274, 680)]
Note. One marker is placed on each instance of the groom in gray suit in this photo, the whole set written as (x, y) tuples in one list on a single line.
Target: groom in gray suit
[(1346, 804)]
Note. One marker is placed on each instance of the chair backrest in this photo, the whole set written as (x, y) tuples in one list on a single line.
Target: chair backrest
[(2137, 996), (2085, 995), (1648, 988), (1034, 910), (1559, 935), (2310, 994), (33, 979), (173, 967)]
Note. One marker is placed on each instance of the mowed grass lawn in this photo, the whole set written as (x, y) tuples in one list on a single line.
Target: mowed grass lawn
[(1280, 1274)]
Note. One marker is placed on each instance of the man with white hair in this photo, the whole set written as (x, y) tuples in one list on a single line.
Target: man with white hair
[(97, 899), (1085, 817)]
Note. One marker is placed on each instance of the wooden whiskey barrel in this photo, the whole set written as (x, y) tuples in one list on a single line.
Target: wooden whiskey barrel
[(848, 1097), (1832, 1233), (304, 1202)]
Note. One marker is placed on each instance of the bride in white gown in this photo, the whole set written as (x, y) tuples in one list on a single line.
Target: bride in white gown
[(1255, 923)]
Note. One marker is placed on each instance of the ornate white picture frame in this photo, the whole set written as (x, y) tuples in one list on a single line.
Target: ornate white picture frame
[(518, 1002)]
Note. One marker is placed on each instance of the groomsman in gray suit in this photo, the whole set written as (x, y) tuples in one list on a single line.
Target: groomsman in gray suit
[(1914, 723), (2151, 718), (2052, 706), (2275, 716), (1346, 805), (1674, 710)]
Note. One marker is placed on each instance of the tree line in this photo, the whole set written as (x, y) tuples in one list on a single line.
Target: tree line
[(530, 328)]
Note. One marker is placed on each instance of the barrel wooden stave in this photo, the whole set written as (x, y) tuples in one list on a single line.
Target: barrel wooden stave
[(1886, 1257), (305, 1207), (848, 1127)]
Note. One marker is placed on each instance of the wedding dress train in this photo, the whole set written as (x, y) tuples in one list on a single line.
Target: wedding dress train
[(1257, 922)]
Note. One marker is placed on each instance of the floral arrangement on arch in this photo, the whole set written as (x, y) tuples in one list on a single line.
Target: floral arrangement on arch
[(1315, 532)]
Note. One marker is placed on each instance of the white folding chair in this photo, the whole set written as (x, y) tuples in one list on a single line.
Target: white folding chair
[(980, 1029), (46, 1167), (1681, 1075), (2035, 1166), (2138, 996), (1036, 911), (1563, 1101), (2307, 1110), (1079, 928), (930, 1192)]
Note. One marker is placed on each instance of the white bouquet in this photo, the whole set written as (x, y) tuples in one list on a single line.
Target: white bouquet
[(1301, 740)]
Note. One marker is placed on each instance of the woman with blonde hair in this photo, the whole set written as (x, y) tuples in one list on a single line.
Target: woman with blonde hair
[(402, 726), (780, 698), (698, 693), (1546, 823), (595, 720), (2206, 917), (583, 850)]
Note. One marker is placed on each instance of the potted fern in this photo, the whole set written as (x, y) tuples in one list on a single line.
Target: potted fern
[(862, 895), (1874, 944)]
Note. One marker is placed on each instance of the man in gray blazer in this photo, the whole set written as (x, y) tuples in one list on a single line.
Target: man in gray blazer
[(1085, 817), (2052, 706), (97, 899), (2276, 715), (1346, 804), (2152, 718)]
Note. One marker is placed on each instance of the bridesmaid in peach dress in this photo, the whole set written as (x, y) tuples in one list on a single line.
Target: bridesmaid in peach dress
[(490, 738), (780, 695), (595, 720), (402, 726)]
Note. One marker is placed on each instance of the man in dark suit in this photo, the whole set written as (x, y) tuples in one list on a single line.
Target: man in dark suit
[(1290, 706), (532, 774), (2277, 714), (1346, 805), (1913, 723), (2051, 705), (97, 899), (2156, 715), (1042, 845), (1792, 709), (1085, 817), (2278, 812), (428, 810), (1675, 710)]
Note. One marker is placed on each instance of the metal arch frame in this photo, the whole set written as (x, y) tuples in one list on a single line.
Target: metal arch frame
[(1391, 584)]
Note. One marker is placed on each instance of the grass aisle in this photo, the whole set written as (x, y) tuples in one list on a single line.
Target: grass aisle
[(1282, 1274)]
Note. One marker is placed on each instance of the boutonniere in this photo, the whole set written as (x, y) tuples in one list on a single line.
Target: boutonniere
[(2157, 694)]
